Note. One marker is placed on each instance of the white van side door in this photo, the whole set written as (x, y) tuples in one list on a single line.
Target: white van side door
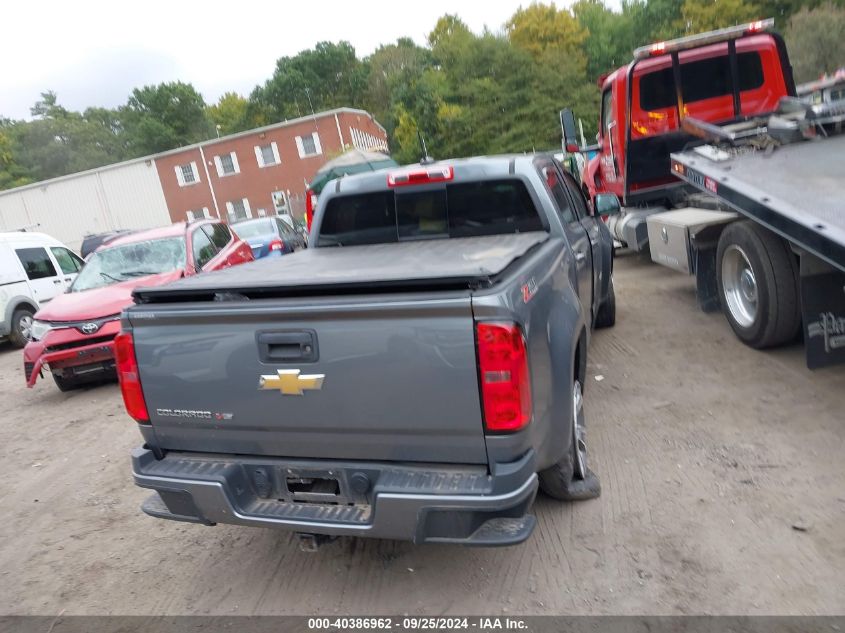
[(69, 264), (44, 279)]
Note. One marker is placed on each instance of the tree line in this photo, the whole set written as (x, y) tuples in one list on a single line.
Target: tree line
[(465, 93)]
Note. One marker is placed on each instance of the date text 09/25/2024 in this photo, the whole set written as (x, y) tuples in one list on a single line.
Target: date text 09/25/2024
[(418, 623)]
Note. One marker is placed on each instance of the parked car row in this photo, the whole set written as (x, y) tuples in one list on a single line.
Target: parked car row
[(74, 334), (65, 311), (272, 236)]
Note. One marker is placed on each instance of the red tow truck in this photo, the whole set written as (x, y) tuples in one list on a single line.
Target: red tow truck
[(725, 174)]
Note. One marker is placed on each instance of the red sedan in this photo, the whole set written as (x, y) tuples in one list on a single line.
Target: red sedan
[(73, 335)]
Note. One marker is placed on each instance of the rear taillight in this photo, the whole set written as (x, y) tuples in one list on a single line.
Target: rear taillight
[(277, 245), (127, 374), (503, 372), (310, 206)]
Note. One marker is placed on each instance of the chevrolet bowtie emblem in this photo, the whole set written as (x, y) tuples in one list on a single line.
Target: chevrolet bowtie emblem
[(290, 382)]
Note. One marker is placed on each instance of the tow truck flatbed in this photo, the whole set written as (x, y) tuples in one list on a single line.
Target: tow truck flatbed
[(796, 190)]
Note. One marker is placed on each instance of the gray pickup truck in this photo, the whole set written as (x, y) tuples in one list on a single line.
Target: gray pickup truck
[(414, 375)]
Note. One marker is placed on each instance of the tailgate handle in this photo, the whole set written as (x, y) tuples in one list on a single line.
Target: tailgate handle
[(281, 347)]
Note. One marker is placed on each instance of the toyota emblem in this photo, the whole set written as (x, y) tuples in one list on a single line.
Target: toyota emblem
[(90, 328)]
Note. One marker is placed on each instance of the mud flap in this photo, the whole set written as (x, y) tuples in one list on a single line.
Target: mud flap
[(583, 489), (823, 312)]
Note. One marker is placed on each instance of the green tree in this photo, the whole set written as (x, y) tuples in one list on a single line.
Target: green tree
[(11, 173), (815, 41), (58, 141), (543, 28), (610, 37), (488, 95), (230, 114), (698, 16), (390, 67), (325, 77), (449, 38), (654, 20), (163, 117), (783, 10)]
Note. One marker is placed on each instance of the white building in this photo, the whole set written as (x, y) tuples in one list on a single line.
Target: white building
[(120, 196)]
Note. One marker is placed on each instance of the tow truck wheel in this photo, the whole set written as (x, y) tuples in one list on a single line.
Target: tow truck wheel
[(21, 327), (758, 285)]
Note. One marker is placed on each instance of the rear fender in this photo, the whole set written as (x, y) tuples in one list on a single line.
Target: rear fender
[(553, 323)]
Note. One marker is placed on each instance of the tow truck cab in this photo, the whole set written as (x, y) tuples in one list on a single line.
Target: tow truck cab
[(716, 77)]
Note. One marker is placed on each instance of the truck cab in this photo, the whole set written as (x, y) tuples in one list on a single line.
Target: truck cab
[(717, 77)]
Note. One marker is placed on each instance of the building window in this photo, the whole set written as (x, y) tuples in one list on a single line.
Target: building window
[(198, 214), (365, 141), (187, 174), (280, 203), (267, 155), (238, 210), (309, 145), (227, 164)]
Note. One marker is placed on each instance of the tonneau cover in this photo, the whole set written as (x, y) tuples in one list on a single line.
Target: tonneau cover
[(451, 261)]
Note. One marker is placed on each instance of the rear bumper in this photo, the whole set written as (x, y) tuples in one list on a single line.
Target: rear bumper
[(423, 504)]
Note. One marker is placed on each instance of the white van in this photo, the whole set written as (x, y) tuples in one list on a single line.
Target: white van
[(34, 268)]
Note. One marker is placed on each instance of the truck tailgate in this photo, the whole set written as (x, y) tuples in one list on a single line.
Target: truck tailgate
[(399, 378)]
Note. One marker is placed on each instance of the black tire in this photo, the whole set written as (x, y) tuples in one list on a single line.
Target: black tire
[(606, 316), (557, 480), (776, 314), (17, 336), (66, 384)]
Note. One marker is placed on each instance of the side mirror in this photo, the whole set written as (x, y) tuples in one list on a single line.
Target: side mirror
[(607, 204), (567, 127)]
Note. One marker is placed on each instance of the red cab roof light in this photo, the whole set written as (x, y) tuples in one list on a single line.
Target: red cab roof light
[(127, 374), (505, 381), (703, 39), (420, 176)]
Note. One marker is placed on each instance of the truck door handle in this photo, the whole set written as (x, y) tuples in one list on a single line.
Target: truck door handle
[(287, 346), (57, 281)]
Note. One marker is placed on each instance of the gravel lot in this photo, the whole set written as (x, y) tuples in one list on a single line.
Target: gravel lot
[(722, 468)]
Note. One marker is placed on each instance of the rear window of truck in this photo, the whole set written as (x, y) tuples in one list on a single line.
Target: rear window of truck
[(700, 80), (458, 210)]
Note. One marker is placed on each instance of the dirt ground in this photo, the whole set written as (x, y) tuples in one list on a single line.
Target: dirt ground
[(722, 469)]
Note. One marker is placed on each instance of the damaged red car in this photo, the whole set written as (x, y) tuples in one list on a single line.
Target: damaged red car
[(72, 336)]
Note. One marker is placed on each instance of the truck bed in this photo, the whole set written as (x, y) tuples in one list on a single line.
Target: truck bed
[(451, 263), (797, 190)]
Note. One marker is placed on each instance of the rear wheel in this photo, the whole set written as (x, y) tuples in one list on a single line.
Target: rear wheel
[(21, 331), (757, 278), (556, 481), (606, 316)]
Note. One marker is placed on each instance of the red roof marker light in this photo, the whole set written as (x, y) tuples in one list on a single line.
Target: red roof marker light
[(420, 176)]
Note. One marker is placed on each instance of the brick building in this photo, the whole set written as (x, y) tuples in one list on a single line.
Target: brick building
[(262, 171), (258, 172)]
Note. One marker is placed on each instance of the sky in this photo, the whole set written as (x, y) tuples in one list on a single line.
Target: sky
[(93, 53)]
